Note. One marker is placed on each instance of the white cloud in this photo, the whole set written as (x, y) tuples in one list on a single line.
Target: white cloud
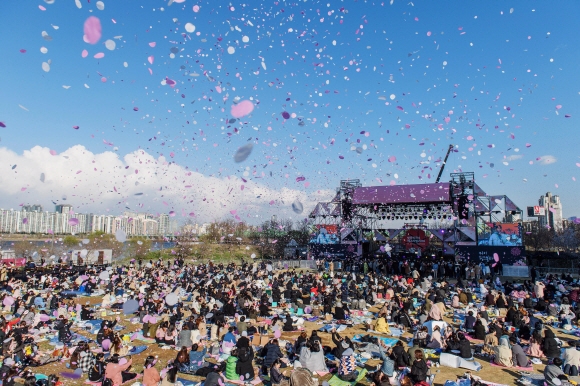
[(105, 183), (547, 160)]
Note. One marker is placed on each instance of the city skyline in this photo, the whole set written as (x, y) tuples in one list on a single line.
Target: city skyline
[(70, 222), (226, 111)]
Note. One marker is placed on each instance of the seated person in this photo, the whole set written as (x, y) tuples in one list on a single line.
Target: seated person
[(554, 371), (518, 355)]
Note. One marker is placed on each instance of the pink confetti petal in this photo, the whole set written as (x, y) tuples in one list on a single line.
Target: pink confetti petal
[(152, 44), (41, 8), (23, 51), (85, 53), (151, 59), (75, 127), (242, 109), (93, 30), (53, 152), (392, 158), (196, 8), (99, 55), (2, 124)]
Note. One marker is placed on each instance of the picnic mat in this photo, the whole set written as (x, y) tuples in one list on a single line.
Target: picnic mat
[(534, 379), (133, 351), (336, 381), (388, 341)]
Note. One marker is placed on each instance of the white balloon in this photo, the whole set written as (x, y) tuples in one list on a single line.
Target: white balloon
[(121, 236), (171, 299)]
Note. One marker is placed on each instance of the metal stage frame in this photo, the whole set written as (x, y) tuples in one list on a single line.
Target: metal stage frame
[(459, 204)]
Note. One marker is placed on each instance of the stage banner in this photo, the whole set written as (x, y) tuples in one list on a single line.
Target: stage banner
[(415, 239), (487, 254), (333, 251)]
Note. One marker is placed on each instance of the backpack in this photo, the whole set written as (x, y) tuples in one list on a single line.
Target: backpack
[(244, 354)]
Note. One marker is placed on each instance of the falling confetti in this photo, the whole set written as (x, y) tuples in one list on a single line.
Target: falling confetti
[(243, 153)]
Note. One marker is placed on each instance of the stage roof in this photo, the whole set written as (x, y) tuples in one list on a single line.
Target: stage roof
[(403, 194)]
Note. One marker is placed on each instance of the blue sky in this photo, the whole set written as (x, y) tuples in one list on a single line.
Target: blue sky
[(378, 76)]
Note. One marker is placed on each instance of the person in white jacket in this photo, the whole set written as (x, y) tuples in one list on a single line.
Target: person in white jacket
[(539, 289), (572, 360)]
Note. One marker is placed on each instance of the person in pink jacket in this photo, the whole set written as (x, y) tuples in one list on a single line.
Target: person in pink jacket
[(116, 371)]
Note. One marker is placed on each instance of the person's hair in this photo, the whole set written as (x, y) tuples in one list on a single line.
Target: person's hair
[(182, 355), (100, 356), (399, 343), (231, 329), (114, 358), (303, 334), (276, 362), (116, 344), (194, 347), (234, 352), (30, 381), (557, 361), (461, 336), (470, 313), (149, 361), (243, 319), (172, 374), (418, 354), (314, 334), (185, 327), (513, 339)]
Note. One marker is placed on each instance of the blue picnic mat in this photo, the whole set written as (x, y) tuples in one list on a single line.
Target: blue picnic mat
[(388, 341)]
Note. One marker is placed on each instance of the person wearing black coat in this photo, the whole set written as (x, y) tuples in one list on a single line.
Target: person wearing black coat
[(550, 346), (528, 303), (400, 356), (489, 299), (63, 328), (244, 366), (464, 347), (271, 352), (339, 311), (479, 330), (288, 324), (229, 309), (419, 369)]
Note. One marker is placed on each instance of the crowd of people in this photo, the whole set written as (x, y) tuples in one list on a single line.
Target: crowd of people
[(225, 323)]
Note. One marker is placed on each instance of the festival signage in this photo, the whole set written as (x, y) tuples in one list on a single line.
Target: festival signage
[(415, 239), (491, 254), (333, 251)]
